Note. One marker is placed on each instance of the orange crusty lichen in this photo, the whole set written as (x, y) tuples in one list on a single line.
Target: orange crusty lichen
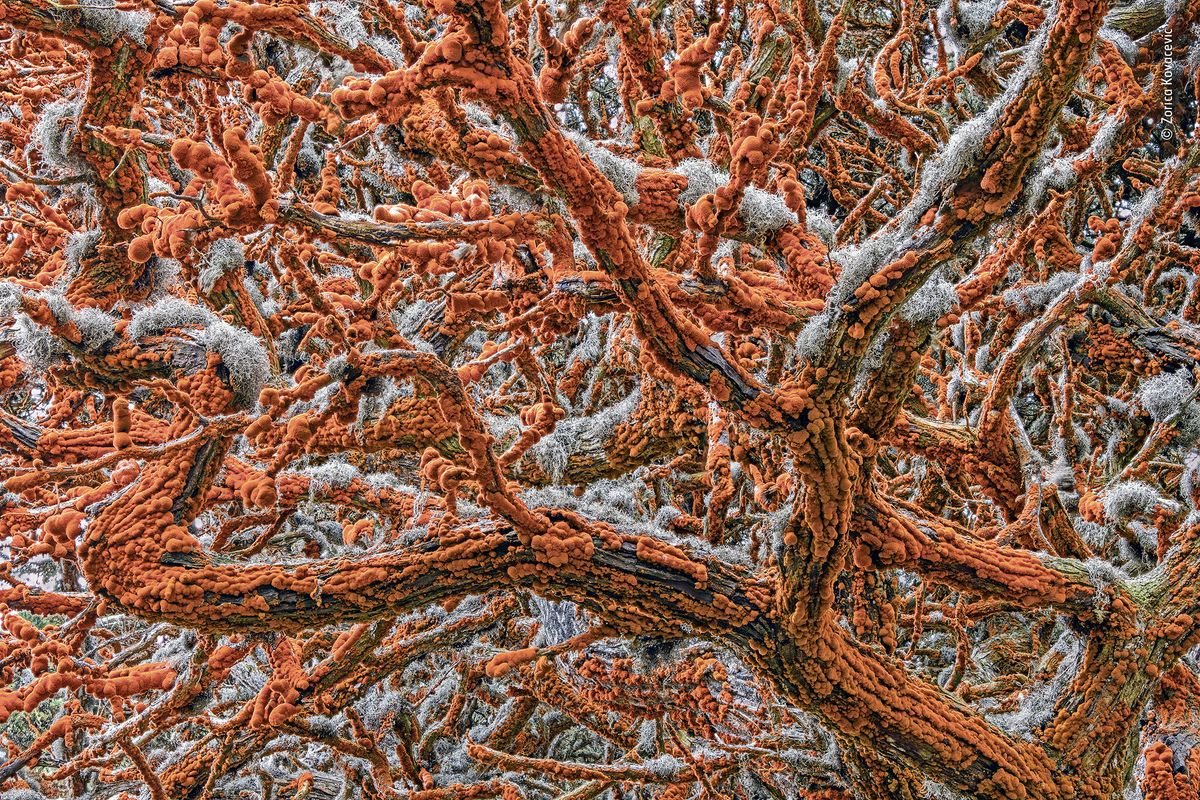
[(398, 400)]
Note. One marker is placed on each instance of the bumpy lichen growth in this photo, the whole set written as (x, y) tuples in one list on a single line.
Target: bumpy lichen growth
[(468, 399)]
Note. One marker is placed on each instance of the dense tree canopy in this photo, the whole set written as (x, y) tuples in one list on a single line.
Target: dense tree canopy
[(683, 399)]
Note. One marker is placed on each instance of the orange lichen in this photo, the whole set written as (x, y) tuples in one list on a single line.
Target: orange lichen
[(831, 372)]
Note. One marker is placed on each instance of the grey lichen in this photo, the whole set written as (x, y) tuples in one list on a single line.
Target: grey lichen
[(240, 351)]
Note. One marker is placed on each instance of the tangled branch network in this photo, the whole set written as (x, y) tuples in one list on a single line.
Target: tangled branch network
[(570, 399)]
